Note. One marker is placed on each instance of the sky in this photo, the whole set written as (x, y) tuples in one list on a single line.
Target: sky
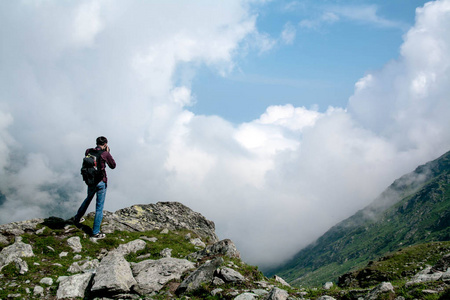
[(274, 119)]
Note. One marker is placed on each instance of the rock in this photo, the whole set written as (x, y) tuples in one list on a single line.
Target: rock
[(277, 294), (38, 290), (204, 274), (152, 239), (73, 286), (21, 265), (84, 266), (424, 276), (230, 275), (218, 281), (113, 275), (41, 231), (325, 297), (46, 281), (216, 292), (167, 252), (280, 280), (131, 247), (246, 296), (19, 228), (164, 231), (328, 285), (3, 240), (382, 288), (224, 247), (63, 254), (75, 244), (14, 251), (170, 215), (260, 292), (197, 242), (152, 275)]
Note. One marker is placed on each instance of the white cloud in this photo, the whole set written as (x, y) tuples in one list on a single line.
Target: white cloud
[(288, 33), (272, 184)]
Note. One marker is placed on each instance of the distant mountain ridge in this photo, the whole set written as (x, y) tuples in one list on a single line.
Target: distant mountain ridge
[(414, 209)]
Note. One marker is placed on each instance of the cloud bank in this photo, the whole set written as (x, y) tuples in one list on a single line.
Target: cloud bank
[(74, 71)]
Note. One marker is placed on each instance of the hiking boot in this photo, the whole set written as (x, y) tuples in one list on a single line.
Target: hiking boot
[(99, 236)]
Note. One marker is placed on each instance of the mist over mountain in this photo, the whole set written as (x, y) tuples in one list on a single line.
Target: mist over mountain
[(414, 209)]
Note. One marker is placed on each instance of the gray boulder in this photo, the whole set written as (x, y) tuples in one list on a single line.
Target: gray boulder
[(21, 265), (280, 280), (113, 275), (277, 294), (73, 286), (17, 250), (204, 274), (152, 275), (84, 266), (325, 297), (382, 288), (246, 296), (425, 275), (224, 247), (19, 228), (170, 215), (131, 247), (230, 275), (75, 244)]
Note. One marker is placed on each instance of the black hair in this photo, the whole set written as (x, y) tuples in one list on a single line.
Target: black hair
[(101, 140)]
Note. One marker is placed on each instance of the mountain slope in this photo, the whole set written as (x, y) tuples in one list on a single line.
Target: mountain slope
[(414, 209)]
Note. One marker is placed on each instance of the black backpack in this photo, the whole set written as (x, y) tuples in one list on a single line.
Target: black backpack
[(91, 168)]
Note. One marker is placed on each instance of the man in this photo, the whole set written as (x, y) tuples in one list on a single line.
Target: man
[(97, 188)]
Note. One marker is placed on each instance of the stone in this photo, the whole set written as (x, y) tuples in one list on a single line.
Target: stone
[(41, 231), (260, 292), (21, 265), (225, 247), (216, 291), (170, 215), (197, 242), (382, 288), (280, 280), (277, 294), (19, 228), (75, 244), (246, 296), (328, 285), (38, 290), (152, 239), (164, 231), (46, 281), (152, 275), (326, 297), (3, 240), (113, 275), (166, 252), (73, 286), (84, 266), (218, 281), (131, 247), (425, 275), (63, 254), (204, 274), (14, 251), (230, 275)]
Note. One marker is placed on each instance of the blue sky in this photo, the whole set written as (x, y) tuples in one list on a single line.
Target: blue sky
[(319, 68), (274, 119)]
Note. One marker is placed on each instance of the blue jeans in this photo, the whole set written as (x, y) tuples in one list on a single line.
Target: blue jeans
[(100, 189)]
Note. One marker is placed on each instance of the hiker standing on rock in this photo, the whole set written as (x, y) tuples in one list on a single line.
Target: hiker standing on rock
[(96, 180)]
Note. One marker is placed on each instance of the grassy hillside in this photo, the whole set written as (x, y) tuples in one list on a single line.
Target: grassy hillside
[(420, 213)]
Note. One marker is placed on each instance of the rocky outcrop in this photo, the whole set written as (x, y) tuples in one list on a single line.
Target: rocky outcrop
[(152, 275), (169, 215)]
